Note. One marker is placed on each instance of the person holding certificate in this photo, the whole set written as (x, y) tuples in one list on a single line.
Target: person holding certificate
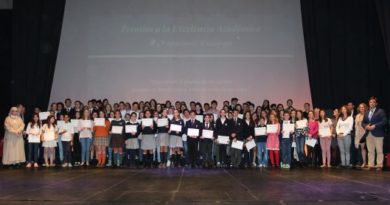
[(325, 134), (34, 132), (85, 136), (343, 129), (222, 128), (175, 137), (76, 154), (273, 140), (191, 126), (236, 134), (287, 134), (248, 128), (301, 128), (133, 129), (148, 143), (117, 143), (206, 141), (261, 141), (313, 152), (101, 141), (66, 130), (163, 137), (49, 138)]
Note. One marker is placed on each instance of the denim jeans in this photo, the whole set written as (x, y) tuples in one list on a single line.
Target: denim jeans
[(262, 153), (60, 149), (300, 146), (67, 151), (285, 150), (85, 145), (33, 149), (345, 149)]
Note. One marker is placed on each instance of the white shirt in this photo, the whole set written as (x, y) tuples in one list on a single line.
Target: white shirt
[(344, 126), (325, 125), (67, 136), (86, 133), (34, 133)]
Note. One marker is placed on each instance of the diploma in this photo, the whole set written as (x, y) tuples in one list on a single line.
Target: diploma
[(60, 124), (241, 116), (288, 127), (34, 138), (250, 145), (86, 123), (131, 128), (116, 129), (192, 132), (209, 134), (301, 124), (147, 122), (259, 131), (199, 118), (325, 132), (170, 116), (311, 142), (49, 136), (175, 128), (75, 122), (100, 122), (238, 144), (273, 128), (162, 122), (44, 115), (223, 139)]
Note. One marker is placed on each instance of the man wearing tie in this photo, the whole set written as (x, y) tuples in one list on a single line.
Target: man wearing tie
[(374, 122), (68, 110), (237, 134), (192, 140), (206, 144)]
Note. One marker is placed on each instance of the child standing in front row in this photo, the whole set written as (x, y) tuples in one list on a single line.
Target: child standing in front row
[(287, 134), (273, 141)]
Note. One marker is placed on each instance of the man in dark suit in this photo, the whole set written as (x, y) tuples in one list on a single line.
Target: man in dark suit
[(192, 141), (68, 110), (374, 123), (237, 132)]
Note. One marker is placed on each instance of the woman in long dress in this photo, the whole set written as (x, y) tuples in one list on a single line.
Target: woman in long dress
[(13, 152)]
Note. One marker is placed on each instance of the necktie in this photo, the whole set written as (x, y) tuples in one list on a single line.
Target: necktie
[(370, 114), (207, 125)]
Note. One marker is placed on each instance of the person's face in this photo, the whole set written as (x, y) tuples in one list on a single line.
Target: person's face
[(54, 107), (101, 114), (299, 115), (36, 118), (222, 113), (197, 107), (86, 113), (322, 114), (165, 113), (286, 116), (272, 118), (344, 111), (335, 112), (192, 115), (214, 105), (77, 115), (262, 121), (372, 103), (66, 118), (52, 120), (306, 107), (289, 103), (176, 113), (147, 115), (350, 106), (133, 117), (362, 109), (235, 114), (94, 115), (293, 114), (121, 106), (77, 105), (112, 115), (247, 116), (135, 107), (207, 119), (206, 107), (68, 103), (117, 115), (127, 117), (311, 115), (187, 114)]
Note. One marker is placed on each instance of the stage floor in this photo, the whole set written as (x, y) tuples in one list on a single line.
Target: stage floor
[(193, 186)]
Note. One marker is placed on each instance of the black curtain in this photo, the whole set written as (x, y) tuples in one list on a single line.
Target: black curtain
[(383, 8), (36, 29), (345, 52)]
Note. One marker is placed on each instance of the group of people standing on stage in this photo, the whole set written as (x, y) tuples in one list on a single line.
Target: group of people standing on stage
[(152, 134)]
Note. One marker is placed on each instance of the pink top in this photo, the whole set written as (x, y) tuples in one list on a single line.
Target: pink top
[(313, 128), (273, 140)]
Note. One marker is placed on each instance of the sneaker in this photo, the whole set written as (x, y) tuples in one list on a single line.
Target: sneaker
[(82, 164), (44, 165), (87, 164), (64, 165), (323, 166), (69, 165), (287, 166), (168, 163), (28, 165), (254, 164), (109, 164), (36, 165)]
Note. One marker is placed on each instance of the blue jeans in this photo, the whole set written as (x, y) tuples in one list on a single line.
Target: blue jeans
[(33, 150), (60, 149), (345, 149), (262, 153), (286, 151), (85, 145), (300, 146)]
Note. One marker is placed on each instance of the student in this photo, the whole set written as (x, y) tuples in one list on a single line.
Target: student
[(49, 138), (206, 144), (132, 145), (85, 136), (261, 141), (237, 133), (313, 152), (101, 139), (287, 135), (111, 116), (175, 138), (359, 134), (273, 144), (66, 131), (248, 128), (334, 148), (255, 120), (148, 143), (117, 139), (76, 154), (222, 128), (34, 130), (343, 129), (192, 140), (325, 139), (300, 136), (163, 139)]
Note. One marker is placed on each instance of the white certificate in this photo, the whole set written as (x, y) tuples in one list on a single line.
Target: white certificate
[(147, 122), (193, 132), (75, 122), (34, 138), (100, 122), (301, 124), (311, 142), (199, 118), (175, 128), (60, 124), (288, 127), (273, 128), (209, 134), (86, 123), (241, 116), (131, 128), (325, 132), (162, 122), (250, 145), (260, 131), (238, 144), (44, 115), (49, 136), (170, 116), (223, 139), (117, 129)]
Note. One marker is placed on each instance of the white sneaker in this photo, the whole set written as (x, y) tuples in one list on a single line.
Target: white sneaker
[(69, 165), (253, 164), (168, 163), (28, 165), (64, 165)]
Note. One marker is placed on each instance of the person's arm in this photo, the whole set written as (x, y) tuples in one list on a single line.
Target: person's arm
[(350, 126), (383, 119)]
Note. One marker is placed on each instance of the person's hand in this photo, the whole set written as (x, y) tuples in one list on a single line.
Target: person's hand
[(133, 133), (143, 126), (167, 126)]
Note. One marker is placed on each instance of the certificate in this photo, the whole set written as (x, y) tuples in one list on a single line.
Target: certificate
[(238, 144), (131, 128), (60, 124), (288, 127), (272, 129), (147, 122), (44, 115), (250, 145), (170, 116), (34, 139), (223, 139), (199, 118), (192, 132), (311, 142), (175, 128), (325, 132), (75, 122), (260, 131), (49, 136), (100, 122), (162, 122), (116, 129), (241, 116), (208, 134), (86, 123), (301, 124)]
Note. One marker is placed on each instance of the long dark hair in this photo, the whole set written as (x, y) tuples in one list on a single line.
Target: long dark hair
[(32, 123), (48, 121)]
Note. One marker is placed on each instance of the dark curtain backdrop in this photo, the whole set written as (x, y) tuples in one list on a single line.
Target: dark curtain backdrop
[(383, 8), (345, 52)]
